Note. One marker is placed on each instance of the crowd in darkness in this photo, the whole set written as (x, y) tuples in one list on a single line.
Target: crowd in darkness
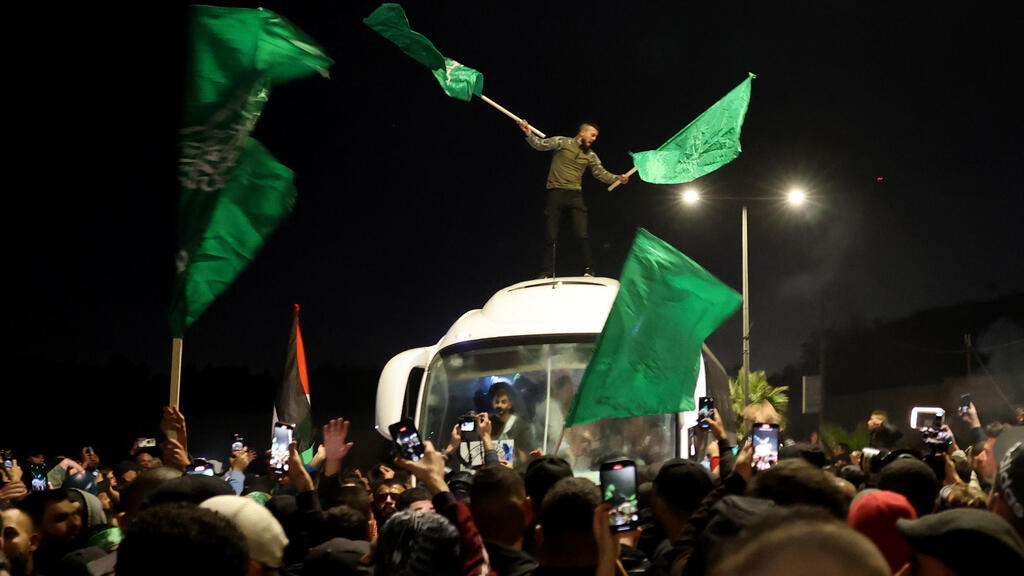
[(819, 510)]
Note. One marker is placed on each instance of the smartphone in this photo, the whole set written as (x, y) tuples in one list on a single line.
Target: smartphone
[(706, 409), (8, 458), (965, 403), (618, 487), (238, 444), (407, 439), (147, 443), (279, 448), (766, 445), (467, 424)]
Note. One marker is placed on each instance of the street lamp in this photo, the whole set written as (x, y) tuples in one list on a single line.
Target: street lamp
[(795, 197)]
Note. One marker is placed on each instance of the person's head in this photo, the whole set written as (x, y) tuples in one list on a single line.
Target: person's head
[(962, 541), (876, 419), (565, 533), (1007, 497), (385, 498), (840, 448), (1019, 412), (874, 515), (417, 498), (55, 515), (587, 134), (963, 496), (912, 478), (417, 543), (19, 539), (346, 522), (501, 400), (179, 538), (797, 481), (984, 460), (264, 536), (125, 472), (542, 473), (800, 541), (499, 505), (841, 459), (144, 460), (679, 488)]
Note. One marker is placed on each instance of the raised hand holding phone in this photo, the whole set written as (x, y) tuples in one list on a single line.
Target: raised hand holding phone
[(279, 449), (618, 488)]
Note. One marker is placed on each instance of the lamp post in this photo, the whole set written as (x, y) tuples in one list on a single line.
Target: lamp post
[(795, 197), (746, 317)]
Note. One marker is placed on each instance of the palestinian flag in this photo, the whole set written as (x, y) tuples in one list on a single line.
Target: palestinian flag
[(292, 404)]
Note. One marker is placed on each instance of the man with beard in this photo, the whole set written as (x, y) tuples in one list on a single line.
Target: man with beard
[(385, 499), (565, 187), (58, 520), (507, 425), (20, 541)]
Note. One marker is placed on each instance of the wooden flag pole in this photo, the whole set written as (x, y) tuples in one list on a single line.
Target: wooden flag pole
[(510, 115), (175, 371), (559, 444), (616, 184)]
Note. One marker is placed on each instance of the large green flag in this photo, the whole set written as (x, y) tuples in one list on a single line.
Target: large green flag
[(233, 192), (458, 81), (647, 358), (711, 141)]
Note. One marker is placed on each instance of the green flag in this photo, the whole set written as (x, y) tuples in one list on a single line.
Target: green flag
[(233, 192), (711, 141), (458, 81), (647, 358)]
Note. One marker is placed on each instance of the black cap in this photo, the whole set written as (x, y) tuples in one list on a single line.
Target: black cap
[(960, 537), (541, 475)]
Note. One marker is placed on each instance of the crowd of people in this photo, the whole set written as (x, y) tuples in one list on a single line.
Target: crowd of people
[(874, 510)]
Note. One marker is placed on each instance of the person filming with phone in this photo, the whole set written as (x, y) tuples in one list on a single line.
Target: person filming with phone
[(884, 435)]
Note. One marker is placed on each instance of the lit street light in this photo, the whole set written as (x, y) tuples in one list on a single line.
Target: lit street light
[(795, 198)]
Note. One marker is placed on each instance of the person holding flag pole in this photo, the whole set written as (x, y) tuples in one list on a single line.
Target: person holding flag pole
[(572, 156)]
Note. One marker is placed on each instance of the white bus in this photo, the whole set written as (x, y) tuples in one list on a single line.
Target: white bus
[(537, 336)]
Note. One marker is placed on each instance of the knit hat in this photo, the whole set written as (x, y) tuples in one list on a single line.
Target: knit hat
[(541, 475), (265, 537), (874, 515), (961, 536)]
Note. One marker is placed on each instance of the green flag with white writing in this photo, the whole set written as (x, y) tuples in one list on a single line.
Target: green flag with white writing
[(647, 357), (234, 193), (711, 141), (458, 81)]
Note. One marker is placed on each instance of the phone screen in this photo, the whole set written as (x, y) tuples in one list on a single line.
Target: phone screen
[(407, 439), (238, 444), (766, 445), (618, 487), (279, 448), (706, 409)]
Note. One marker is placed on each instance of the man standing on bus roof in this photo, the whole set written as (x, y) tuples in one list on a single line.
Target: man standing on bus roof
[(507, 425), (565, 187)]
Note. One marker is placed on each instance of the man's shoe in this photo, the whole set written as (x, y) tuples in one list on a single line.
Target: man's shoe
[(588, 272)]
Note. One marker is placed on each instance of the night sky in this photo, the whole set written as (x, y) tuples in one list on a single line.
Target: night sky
[(901, 121)]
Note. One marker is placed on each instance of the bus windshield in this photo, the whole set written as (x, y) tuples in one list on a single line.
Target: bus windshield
[(527, 388)]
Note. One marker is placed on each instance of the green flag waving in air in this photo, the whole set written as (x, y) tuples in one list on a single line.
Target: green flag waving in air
[(647, 358), (233, 192), (711, 141), (458, 81)]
